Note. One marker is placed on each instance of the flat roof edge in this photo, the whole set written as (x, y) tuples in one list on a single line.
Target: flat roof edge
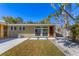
[(29, 24)]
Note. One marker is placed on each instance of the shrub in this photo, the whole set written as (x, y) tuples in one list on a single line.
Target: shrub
[(75, 31)]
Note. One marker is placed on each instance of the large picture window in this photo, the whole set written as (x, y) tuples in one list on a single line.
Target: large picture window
[(41, 31)]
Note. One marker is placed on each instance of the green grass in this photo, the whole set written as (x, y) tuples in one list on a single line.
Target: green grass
[(34, 48)]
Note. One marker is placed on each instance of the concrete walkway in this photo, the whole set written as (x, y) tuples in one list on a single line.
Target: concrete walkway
[(68, 47), (4, 46)]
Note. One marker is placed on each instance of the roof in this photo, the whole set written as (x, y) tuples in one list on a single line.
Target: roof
[(30, 24)]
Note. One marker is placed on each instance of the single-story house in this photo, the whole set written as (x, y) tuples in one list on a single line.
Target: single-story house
[(26, 30)]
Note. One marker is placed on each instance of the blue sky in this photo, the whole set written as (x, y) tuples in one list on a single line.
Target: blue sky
[(33, 11)]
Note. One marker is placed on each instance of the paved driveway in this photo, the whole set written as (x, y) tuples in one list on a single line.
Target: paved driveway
[(8, 44)]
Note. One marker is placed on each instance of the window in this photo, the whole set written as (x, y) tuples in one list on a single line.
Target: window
[(11, 28), (37, 27), (44, 27), (14, 28), (41, 31), (45, 32), (22, 28), (37, 32)]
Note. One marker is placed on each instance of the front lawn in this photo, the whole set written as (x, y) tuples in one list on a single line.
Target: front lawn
[(34, 48)]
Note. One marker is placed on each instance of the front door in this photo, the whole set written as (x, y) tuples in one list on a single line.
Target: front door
[(51, 31)]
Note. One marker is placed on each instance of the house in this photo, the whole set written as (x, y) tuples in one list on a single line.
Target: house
[(3, 29), (26, 30)]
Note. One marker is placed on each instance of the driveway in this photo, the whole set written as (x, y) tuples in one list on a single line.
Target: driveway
[(8, 44)]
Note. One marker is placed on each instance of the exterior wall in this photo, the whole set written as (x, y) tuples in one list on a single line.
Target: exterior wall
[(29, 31), (1, 31)]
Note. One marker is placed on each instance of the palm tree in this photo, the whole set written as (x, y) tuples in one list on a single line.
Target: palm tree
[(8, 19), (18, 20)]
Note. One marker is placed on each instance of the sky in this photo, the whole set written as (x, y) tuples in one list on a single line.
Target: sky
[(28, 11)]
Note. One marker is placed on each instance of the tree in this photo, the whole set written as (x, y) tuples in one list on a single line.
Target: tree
[(45, 21), (75, 32), (30, 22), (62, 9), (70, 8), (67, 13), (18, 20), (56, 20), (10, 19), (77, 19)]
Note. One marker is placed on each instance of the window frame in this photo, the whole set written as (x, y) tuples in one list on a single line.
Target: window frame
[(22, 28), (42, 31)]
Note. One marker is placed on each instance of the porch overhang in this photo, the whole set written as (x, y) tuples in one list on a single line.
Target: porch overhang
[(31, 24)]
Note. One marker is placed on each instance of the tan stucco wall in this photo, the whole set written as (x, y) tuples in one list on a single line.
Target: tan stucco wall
[(1, 31), (29, 31)]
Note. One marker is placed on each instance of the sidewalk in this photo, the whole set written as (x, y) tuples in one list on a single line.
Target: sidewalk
[(4, 46), (68, 47)]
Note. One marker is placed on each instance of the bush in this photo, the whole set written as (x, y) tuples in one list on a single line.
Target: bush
[(75, 31)]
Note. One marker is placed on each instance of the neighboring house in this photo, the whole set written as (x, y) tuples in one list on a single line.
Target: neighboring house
[(2, 29), (26, 30)]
